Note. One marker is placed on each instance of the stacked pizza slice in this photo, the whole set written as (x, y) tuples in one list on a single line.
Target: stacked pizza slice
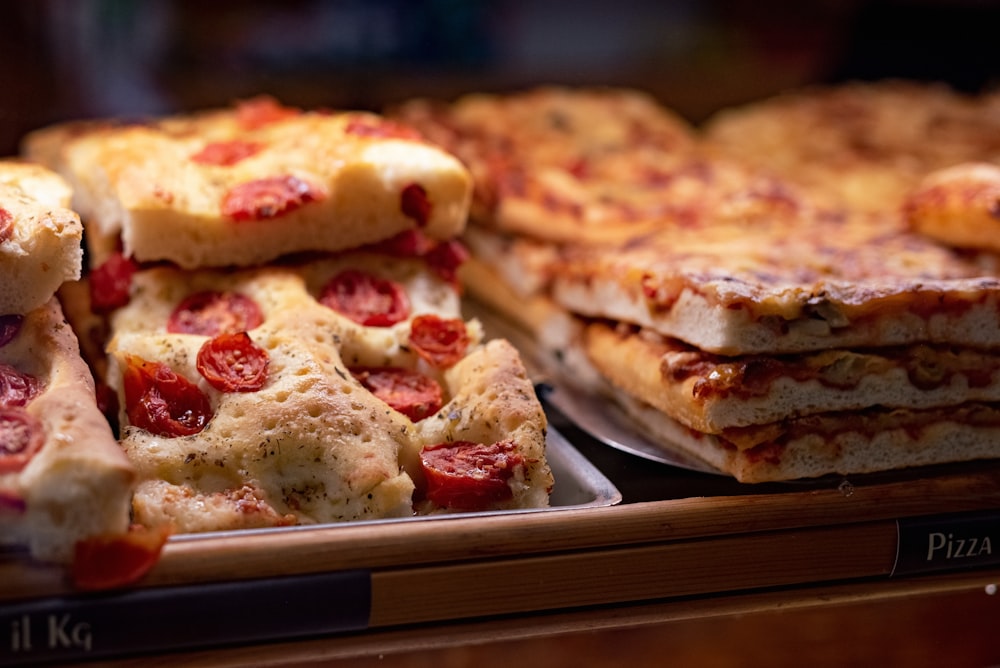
[(769, 326), (275, 298), (63, 479)]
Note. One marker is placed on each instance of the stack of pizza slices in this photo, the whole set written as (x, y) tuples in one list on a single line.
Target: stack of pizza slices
[(63, 479), (273, 298), (757, 318)]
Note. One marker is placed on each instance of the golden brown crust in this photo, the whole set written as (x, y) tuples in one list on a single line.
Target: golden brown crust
[(711, 393), (172, 188), (778, 287), (846, 443), (566, 164), (40, 248)]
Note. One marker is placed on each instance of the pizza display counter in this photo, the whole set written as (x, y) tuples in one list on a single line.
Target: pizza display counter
[(628, 543)]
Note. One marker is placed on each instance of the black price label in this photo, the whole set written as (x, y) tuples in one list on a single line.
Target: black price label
[(947, 542)]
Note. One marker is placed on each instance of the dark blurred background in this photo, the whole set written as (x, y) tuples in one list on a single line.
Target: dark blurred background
[(66, 59)]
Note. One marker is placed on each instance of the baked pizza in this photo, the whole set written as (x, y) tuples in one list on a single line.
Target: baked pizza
[(246, 185), (768, 316), (823, 282), (870, 440), (339, 389), (567, 164), (864, 144), (39, 236)]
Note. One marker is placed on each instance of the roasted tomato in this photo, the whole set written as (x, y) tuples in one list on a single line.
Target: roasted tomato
[(469, 476), (410, 392), (212, 312), (440, 341), (117, 560), (162, 402), (111, 282), (366, 299), (233, 363)]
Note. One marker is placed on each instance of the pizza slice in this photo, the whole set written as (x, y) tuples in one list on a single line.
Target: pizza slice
[(870, 440), (567, 164), (339, 389), (821, 282), (711, 393), (40, 236), (755, 317), (65, 485), (246, 185), (864, 144), (63, 478)]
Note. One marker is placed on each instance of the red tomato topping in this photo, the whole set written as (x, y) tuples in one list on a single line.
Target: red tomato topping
[(233, 363), (16, 388), (10, 326), (226, 153), (21, 436), (269, 198), (469, 476), (211, 313), (109, 561), (445, 259), (366, 299), (380, 128), (162, 402), (6, 225), (262, 110), (110, 283), (414, 204), (410, 392), (11, 502), (440, 341), (408, 243)]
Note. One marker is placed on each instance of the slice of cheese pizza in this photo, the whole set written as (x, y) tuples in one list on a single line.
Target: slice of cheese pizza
[(865, 144), (823, 282), (342, 388), (711, 393), (870, 440), (246, 185), (756, 303), (568, 164)]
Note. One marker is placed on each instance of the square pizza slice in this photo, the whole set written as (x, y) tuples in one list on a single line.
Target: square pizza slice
[(342, 388), (40, 236), (246, 185)]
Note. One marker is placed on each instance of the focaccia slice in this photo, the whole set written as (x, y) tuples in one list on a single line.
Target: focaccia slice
[(40, 237), (243, 187), (63, 478), (864, 144), (824, 282), (712, 393), (350, 400)]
